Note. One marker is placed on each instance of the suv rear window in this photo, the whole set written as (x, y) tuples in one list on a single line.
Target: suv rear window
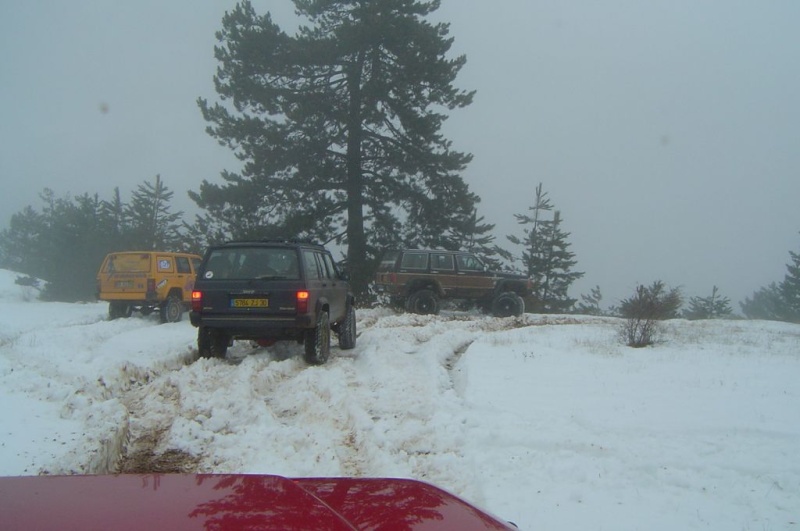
[(412, 260), (128, 263), (252, 262), (388, 260)]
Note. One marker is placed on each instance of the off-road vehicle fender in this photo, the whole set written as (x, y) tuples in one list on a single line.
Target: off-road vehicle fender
[(417, 285)]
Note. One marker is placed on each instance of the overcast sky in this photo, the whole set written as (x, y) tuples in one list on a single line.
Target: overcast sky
[(667, 132)]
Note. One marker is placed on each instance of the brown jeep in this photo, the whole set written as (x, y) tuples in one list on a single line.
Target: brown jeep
[(147, 281), (418, 279)]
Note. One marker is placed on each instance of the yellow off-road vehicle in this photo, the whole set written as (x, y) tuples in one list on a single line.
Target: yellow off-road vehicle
[(146, 281)]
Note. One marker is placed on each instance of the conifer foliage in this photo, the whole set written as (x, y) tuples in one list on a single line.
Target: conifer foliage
[(714, 306), (64, 241), (778, 301), (338, 128), (546, 257)]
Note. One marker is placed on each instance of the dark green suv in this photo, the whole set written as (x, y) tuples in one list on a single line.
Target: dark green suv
[(272, 290)]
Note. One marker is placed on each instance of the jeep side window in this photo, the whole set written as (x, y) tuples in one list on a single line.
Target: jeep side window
[(312, 268), (328, 261), (196, 264), (183, 264), (467, 262), (414, 261), (442, 262)]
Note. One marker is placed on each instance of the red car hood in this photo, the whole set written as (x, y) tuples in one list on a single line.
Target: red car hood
[(207, 501)]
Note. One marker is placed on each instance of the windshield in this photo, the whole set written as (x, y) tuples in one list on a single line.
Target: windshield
[(251, 262)]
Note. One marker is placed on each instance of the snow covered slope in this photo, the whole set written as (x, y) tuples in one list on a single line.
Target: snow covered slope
[(547, 421)]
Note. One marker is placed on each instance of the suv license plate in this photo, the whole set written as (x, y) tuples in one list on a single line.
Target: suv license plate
[(124, 283), (250, 303)]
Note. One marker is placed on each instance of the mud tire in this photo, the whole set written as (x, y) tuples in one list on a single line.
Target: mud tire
[(508, 304), (347, 329), (317, 341), (212, 343), (423, 302)]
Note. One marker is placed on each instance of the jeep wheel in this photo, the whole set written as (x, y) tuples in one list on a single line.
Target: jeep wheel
[(423, 302), (318, 341), (119, 309), (347, 329), (171, 310), (211, 342), (508, 304)]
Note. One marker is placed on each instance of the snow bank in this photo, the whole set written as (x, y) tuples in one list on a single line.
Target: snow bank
[(545, 420)]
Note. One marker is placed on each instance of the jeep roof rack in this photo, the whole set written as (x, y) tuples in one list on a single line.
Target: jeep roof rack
[(287, 241)]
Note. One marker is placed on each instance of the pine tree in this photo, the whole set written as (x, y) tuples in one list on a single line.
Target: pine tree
[(63, 244), (338, 127), (712, 307), (475, 236), (590, 304), (790, 289), (546, 257), (151, 224), (778, 302), (766, 303), (114, 217)]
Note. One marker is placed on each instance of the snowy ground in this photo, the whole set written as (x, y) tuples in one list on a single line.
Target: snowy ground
[(546, 421)]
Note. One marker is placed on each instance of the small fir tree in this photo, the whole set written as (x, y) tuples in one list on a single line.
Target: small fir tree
[(590, 303), (778, 302), (712, 307), (151, 223), (546, 257), (790, 289)]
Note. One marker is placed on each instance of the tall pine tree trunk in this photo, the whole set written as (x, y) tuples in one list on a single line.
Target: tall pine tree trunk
[(356, 239)]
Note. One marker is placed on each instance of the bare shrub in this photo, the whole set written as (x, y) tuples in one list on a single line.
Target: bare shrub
[(644, 310)]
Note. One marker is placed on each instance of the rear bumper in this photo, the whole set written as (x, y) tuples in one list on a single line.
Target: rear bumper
[(246, 327)]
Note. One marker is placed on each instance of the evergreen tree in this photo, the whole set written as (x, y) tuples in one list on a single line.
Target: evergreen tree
[(151, 224), (546, 257), (21, 247), (65, 241), (711, 307), (590, 304), (779, 302), (766, 303), (790, 289), (476, 237), (114, 217), (534, 227), (338, 127), (62, 244), (655, 301)]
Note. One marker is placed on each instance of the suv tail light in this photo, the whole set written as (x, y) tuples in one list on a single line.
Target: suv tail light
[(197, 301), (151, 289), (302, 301)]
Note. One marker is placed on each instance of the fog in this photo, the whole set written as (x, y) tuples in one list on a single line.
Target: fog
[(667, 133)]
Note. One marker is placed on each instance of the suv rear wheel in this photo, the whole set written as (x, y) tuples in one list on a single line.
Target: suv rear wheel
[(317, 341), (118, 309), (211, 343), (423, 302), (508, 304), (171, 310), (347, 329)]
